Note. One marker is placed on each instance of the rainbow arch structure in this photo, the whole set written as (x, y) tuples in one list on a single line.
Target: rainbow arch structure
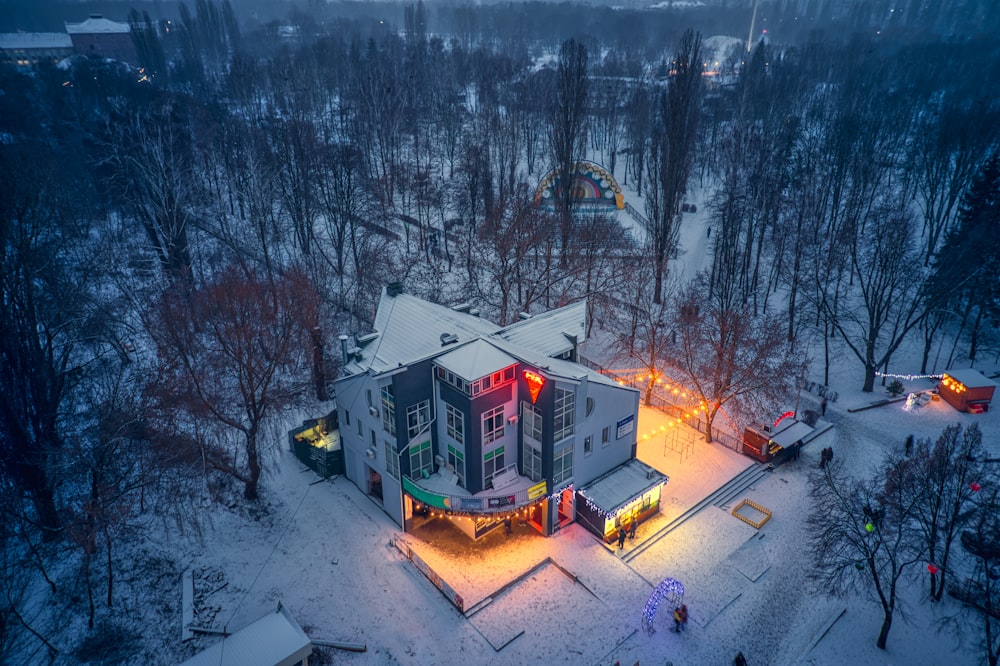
[(592, 185)]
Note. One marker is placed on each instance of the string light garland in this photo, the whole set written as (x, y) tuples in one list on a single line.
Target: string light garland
[(522, 512), (908, 378), (670, 589)]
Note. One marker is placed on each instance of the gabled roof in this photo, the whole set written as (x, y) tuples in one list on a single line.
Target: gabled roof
[(274, 640), (409, 329), (96, 24), (970, 378), (553, 367), (475, 359), (550, 332)]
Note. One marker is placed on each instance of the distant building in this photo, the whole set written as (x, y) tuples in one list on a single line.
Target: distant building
[(102, 37), (27, 49), (445, 415)]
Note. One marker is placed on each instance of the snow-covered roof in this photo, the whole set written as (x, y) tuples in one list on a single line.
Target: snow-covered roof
[(793, 432), (409, 329), (971, 378), (274, 640), (616, 488), (35, 40), (475, 359), (96, 24), (550, 332)]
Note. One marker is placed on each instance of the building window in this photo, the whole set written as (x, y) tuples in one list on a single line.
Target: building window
[(347, 418), (532, 459), (421, 460), (493, 424), (588, 445), (562, 420), (388, 410), (417, 416), (562, 465), (590, 406), (492, 463), (606, 436), (391, 460), (456, 458), (531, 419), (455, 423), (531, 441), (361, 429)]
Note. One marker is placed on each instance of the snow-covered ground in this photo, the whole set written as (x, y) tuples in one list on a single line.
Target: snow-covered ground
[(335, 560), (326, 551)]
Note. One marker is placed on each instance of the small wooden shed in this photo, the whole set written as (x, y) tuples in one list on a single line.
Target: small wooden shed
[(774, 443), (967, 390)]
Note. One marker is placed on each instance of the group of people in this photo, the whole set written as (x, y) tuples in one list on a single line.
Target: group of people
[(680, 618), (626, 530), (825, 457)]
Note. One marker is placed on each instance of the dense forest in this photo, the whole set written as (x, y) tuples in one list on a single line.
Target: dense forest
[(185, 238)]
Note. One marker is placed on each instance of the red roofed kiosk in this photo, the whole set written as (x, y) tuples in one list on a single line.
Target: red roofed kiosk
[(967, 390)]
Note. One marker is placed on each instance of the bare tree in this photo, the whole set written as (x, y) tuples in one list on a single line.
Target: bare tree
[(44, 297), (938, 480), (672, 152), (514, 264), (730, 356), (153, 172), (980, 591), (230, 356), (567, 129), (861, 540), (886, 301)]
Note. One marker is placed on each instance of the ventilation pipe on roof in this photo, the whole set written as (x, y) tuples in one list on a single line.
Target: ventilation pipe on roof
[(345, 356), (393, 289), (448, 339)]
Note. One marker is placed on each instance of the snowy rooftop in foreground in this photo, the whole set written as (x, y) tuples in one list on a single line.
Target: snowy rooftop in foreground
[(275, 639)]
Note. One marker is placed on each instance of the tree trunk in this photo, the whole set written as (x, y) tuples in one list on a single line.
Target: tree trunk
[(253, 460), (869, 384), (883, 633)]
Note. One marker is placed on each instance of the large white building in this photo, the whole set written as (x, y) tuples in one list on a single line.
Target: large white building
[(445, 415)]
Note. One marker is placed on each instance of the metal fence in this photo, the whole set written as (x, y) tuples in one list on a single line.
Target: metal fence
[(664, 403)]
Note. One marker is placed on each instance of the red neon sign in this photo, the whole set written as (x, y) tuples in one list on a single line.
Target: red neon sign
[(782, 418), (535, 383)]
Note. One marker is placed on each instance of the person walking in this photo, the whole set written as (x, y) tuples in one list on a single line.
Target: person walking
[(822, 407), (740, 660), (631, 528), (677, 620), (507, 525), (684, 617), (621, 537)]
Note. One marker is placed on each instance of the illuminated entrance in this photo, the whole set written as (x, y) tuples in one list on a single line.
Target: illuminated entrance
[(630, 493)]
